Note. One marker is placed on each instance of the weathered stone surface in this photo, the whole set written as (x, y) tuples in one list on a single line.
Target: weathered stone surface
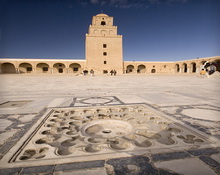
[(94, 171), (6, 135), (186, 166)]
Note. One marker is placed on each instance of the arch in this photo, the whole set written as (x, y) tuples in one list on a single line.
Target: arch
[(75, 68), (141, 69), (8, 68), (103, 32), (217, 65), (42, 68), (202, 62), (193, 67), (111, 32), (129, 69), (59, 68), (184, 68), (95, 32), (103, 23), (25, 68), (153, 71), (177, 68), (165, 69)]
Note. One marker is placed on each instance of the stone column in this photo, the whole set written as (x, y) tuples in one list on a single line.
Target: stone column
[(17, 70), (197, 69), (33, 70)]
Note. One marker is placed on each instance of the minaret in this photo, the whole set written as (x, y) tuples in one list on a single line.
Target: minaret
[(103, 46)]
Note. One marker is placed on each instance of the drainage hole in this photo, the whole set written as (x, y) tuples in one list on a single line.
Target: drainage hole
[(24, 158), (106, 131)]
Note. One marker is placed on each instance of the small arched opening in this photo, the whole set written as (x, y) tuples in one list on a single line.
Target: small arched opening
[(103, 32), (141, 69), (25, 68), (153, 71), (193, 67), (58, 68), (217, 65), (177, 68), (129, 69), (8, 68), (111, 32), (75, 68), (95, 32), (103, 23), (202, 64), (184, 68)]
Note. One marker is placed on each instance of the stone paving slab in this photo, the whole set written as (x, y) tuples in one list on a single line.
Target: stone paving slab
[(186, 166), (191, 101), (93, 171)]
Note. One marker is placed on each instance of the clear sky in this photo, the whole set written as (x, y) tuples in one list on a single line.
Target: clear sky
[(153, 30)]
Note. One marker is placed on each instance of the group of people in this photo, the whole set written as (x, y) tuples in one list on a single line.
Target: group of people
[(92, 72), (208, 69), (113, 72), (85, 72)]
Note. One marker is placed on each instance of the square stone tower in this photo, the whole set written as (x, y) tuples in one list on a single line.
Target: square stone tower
[(103, 46)]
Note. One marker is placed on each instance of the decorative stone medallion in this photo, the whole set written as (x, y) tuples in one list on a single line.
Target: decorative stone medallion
[(97, 131), (96, 101)]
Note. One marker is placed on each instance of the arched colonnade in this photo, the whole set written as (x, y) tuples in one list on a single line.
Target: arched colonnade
[(42, 67), (179, 67), (77, 66)]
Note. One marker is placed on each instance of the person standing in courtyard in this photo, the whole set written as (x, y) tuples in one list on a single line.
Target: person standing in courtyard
[(92, 72), (115, 72), (111, 72), (203, 73)]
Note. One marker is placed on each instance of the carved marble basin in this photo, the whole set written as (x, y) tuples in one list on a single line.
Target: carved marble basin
[(106, 128)]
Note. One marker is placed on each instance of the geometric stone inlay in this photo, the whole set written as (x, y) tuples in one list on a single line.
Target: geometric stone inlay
[(4, 123), (204, 114), (96, 101), (93, 131), (10, 104)]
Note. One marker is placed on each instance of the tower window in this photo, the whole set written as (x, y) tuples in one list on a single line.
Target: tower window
[(103, 23), (105, 62), (104, 53), (104, 45)]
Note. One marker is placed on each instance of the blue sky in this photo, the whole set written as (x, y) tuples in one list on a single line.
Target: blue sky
[(153, 30)]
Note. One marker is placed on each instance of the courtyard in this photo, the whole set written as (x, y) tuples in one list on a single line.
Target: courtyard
[(128, 124)]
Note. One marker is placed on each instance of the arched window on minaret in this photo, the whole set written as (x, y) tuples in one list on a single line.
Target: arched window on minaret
[(103, 23)]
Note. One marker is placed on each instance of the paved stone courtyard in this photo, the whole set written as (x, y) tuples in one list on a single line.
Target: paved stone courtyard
[(130, 124)]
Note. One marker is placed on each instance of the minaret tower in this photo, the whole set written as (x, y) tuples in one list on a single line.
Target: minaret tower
[(103, 46)]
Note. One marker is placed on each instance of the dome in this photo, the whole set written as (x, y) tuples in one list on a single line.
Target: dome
[(102, 14)]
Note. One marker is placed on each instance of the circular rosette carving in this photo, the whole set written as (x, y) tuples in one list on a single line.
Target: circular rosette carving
[(93, 148), (142, 141), (106, 129), (118, 144), (34, 153)]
